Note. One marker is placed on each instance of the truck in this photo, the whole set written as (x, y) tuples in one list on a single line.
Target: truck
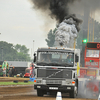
[(91, 70), (56, 74)]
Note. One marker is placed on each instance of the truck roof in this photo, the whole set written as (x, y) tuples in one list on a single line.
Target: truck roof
[(57, 49)]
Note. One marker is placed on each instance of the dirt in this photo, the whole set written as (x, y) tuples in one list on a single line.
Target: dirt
[(26, 92), (10, 79)]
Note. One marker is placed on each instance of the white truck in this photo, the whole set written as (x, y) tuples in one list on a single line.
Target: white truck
[(57, 73)]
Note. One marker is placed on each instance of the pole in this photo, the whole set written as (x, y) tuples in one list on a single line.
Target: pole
[(33, 46)]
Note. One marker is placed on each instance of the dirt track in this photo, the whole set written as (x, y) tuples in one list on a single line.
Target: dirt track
[(25, 93), (10, 79)]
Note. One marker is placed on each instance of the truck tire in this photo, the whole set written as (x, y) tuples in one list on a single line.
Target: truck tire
[(40, 93), (74, 93)]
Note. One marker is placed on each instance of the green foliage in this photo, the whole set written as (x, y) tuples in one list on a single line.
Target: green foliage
[(51, 38), (96, 35), (19, 83), (10, 52), (22, 48)]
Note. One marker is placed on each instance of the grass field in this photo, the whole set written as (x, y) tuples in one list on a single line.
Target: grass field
[(19, 83)]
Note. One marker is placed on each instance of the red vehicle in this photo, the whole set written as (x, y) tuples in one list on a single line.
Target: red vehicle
[(91, 60), (92, 55), (91, 69), (29, 72)]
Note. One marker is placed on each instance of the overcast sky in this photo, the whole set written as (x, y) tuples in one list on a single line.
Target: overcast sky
[(21, 24)]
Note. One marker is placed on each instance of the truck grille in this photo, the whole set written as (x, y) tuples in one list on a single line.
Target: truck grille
[(54, 73), (53, 82)]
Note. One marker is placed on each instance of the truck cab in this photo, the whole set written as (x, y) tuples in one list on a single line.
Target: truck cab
[(56, 70)]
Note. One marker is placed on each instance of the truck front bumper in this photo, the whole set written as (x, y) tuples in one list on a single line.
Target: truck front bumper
[(56, 88)]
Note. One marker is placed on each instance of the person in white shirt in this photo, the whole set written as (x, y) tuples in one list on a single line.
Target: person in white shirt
[(4, 71)]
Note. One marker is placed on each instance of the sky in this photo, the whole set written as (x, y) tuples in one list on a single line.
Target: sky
[(21, 24)]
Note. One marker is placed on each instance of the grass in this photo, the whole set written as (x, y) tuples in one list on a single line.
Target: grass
[(19, 83)]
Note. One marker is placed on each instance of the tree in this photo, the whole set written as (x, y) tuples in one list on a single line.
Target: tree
[(22, 48), (51, 38), (21, 56), (7, 51), (96, 35), (10, 52)]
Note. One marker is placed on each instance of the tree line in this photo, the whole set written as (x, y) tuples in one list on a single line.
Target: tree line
[(11, 52)]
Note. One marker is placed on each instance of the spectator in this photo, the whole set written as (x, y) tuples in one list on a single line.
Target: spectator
[(7, 71), (13, 71), (10, 72), (4, 72)]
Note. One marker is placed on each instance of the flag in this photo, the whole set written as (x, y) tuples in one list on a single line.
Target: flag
[(78, 68)]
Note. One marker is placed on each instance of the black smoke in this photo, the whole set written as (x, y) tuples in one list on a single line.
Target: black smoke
[(59, 9)]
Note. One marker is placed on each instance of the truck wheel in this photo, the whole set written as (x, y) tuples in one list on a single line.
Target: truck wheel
[(74, 93), (40, 93)]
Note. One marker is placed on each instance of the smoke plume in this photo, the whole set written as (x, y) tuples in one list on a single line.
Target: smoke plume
[(66, 33), (58, 9), (82, 6)]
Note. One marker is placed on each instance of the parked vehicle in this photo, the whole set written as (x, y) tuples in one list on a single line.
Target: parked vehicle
[(29, 72)]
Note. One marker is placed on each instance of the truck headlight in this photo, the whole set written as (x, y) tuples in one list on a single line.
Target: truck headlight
[(68, 82), (38, 81)]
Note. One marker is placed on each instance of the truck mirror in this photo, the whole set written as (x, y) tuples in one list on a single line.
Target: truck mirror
[(76, 58), (34, 57)]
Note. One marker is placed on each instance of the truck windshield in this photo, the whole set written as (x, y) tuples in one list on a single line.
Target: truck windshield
[(92, 53), (65, 59)]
